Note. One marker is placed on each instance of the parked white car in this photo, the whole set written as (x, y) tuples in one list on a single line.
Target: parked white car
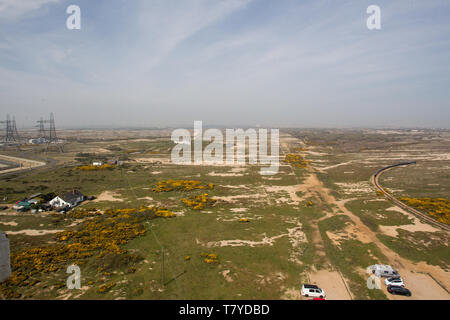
[(311, 290), (396, 281)]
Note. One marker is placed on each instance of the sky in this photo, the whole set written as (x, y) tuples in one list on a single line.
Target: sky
[(286, 63)]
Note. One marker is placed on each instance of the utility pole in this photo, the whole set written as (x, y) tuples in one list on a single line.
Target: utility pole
[(162, 267)]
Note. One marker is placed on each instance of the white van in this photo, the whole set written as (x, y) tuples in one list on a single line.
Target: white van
[(381, 270), (311, 290)]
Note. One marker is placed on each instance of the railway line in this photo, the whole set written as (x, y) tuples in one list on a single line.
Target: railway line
[(415, 212)]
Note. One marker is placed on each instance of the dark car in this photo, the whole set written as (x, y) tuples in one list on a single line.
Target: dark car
[(399, 290)]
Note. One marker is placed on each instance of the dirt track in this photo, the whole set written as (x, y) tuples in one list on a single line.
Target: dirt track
[(415, 275)]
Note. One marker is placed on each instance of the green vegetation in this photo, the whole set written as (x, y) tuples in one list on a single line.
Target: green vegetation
[(375, 213), (420, 246), (350, 256)]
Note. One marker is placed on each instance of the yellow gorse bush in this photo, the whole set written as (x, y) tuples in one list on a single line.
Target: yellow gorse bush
[(438, 208), (210, 258), (106, 287), (198, 202), (91, 167), (296, 160), (180, 185), (99, 236)]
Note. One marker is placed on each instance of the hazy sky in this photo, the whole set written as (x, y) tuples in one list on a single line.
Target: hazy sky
[(273, 63)]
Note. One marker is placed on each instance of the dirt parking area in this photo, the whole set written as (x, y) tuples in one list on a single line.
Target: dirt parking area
[(422, 287), (332, 283)]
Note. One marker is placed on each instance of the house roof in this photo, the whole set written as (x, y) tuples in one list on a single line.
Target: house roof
[(71, 196), (24, 203)]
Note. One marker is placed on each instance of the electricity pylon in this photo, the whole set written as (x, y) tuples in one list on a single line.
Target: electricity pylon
[(52, 134), (41, 129), (11, 136)]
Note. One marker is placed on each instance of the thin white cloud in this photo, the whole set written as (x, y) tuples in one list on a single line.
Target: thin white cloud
[(12, 9)]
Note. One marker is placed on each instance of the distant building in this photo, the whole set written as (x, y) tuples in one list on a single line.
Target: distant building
[(5, 264), (115, 162), (68, 200), (38, 141), (97, 163), (22, 206)]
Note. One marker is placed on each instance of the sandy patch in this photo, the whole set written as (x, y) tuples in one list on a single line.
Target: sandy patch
[(152, 160), (146, 198), (336, 165), (315, 153), (356, 187), (296, 238), (33, 232), (295, 235), (332, 283), (225, 174), (240, 243), (226, 275), (351, 231), (290, 190), (108, 196), (234, 199), (271, 178), (11, 223), (242, 186), (416, 225), (236, 216), (238, 209)]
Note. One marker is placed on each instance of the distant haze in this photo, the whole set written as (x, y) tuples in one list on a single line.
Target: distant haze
[(290, 63)]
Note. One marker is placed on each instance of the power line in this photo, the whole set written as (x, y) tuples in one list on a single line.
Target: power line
[(163, 254)]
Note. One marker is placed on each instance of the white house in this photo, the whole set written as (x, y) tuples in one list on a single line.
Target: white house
[(97, 163), (69, 199)]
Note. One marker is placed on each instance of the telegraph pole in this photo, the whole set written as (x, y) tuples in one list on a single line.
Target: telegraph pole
[(162, 267)]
